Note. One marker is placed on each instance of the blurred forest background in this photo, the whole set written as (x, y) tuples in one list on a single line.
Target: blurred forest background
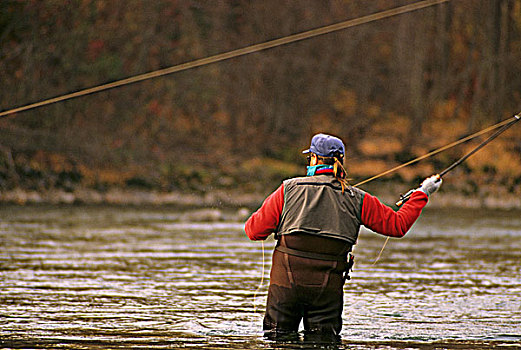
[(392, 90)]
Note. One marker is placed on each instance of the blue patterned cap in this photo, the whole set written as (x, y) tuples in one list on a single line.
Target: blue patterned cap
[(326, 145)]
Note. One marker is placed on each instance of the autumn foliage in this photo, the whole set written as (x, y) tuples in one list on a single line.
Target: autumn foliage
[(393, 90)]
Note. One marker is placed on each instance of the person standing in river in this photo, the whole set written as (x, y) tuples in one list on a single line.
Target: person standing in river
[(316, 220)]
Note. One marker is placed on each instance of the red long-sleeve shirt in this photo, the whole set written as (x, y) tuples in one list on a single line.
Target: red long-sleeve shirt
[(375, 215)]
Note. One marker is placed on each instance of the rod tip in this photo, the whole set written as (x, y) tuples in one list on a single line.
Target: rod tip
[(517, 116)]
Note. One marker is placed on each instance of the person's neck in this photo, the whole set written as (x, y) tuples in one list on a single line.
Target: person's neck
[(320, 169)]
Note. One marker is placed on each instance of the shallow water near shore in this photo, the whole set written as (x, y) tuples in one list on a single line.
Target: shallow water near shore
[(84, 277)]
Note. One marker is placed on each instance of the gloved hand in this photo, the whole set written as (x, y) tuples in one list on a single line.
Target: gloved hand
[(431, 184), (428, 186)]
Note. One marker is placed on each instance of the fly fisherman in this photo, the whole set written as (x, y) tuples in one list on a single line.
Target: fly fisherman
[(316, 221)]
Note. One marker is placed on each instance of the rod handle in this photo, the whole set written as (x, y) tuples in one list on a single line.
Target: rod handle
[(404, 198)]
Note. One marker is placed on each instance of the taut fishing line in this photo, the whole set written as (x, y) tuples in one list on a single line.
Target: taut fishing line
[(231, 54), (436, 151)]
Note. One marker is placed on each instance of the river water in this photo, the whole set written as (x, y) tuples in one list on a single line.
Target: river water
[(84, 277)]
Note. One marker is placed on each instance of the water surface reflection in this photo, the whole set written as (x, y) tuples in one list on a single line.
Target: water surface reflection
[(106, 277)]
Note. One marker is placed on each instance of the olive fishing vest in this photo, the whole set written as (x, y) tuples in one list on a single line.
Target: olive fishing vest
[(316, 205)]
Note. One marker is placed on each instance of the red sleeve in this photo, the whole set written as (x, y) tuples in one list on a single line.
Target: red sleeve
[(382, 219), (264, 221)]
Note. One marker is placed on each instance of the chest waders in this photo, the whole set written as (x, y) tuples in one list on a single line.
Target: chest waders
[(312, 259)]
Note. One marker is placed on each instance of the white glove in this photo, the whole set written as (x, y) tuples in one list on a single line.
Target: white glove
[(431, 184)]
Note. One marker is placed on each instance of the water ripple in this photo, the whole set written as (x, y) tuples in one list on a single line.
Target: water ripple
[(119, 278)]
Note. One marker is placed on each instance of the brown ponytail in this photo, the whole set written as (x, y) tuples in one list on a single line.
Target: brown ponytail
[(339, 171), (340, 174)]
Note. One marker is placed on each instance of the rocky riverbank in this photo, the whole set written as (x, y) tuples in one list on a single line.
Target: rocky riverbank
[(231, 199), (130, 197)]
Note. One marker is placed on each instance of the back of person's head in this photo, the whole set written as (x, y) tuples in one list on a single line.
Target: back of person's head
[(330, 150)]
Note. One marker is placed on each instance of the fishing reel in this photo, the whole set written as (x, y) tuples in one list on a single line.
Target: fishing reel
[(404, 198), (428, 186)]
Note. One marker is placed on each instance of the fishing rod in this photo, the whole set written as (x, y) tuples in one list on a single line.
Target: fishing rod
[(517, 117)]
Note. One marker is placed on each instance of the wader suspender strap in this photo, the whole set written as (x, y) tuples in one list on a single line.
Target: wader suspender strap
[(310, 255)]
